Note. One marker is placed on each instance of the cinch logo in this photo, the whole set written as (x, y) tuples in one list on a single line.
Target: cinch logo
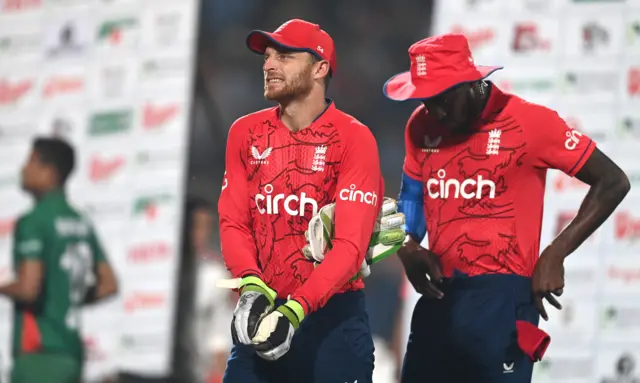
[(468, 189), (351, 194), (573, 139), (292, 204)]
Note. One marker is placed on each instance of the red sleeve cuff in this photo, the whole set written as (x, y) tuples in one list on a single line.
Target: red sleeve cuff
[(303, 302), (591, 147), (245, 273), (410, 173)]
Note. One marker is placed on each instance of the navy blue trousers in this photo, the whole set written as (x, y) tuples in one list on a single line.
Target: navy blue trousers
[(470, 335), (332, 345)]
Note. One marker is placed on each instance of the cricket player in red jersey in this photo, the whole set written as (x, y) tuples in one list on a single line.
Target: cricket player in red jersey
[(283, 164), (474, 179)]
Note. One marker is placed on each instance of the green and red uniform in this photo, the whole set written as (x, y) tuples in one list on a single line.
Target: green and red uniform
[(64, 241)]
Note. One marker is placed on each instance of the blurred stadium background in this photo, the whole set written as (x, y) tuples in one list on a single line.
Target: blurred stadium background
[(146, 90)]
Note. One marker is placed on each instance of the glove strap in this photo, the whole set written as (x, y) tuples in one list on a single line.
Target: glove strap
[(293, 311), (256, 284), (231, 284)]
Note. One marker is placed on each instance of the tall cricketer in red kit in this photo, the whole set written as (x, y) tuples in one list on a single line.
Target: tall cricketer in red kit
[(483, 200), (474, 180)]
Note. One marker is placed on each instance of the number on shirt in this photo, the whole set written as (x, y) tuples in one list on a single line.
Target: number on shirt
[(77, 262)]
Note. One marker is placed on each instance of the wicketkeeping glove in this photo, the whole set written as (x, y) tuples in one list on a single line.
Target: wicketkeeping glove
[(275, 331), (256, 301), (388, 235)]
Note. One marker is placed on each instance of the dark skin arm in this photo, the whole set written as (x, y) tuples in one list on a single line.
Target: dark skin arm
[(26, 288), (422, 268), (107, 285), (608, 187)]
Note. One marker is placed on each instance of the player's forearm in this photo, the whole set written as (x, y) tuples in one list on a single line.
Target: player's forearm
[(408, 247), (101, 292), (238, 249), (599, 203), (107, 285), (19, 292), (340, 264)]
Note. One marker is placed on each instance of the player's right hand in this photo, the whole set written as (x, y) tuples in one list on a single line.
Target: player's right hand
[(548, 278), (422, 267), (276, 330), (256, 301)]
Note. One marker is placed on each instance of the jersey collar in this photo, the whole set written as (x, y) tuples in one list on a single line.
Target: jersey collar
[(495, 104), (322, 118), (327, 111)]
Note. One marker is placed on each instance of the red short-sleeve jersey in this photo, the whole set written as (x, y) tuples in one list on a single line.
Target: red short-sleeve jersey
[(484, 192), (276, 180)]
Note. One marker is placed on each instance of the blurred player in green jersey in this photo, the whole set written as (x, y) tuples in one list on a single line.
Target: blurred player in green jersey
[(59, 266)]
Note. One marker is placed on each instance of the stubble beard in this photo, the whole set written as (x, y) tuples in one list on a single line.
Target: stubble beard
[(299, 86)]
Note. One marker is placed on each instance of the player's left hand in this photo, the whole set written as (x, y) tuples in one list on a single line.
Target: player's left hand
[(255, 302), (548, 279), (275, 331)]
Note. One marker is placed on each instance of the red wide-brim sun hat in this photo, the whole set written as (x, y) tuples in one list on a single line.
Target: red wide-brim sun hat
[(402, 87), (438, 64)]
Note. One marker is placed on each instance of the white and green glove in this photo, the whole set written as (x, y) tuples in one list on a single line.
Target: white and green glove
[(388, 235), (256, 301), (256, 322), (275, 331)]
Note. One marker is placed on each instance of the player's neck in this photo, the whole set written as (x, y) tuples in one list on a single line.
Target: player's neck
[(484, 92), (300, 113), (39, 194)]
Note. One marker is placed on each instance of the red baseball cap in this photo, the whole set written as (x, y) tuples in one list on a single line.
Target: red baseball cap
[(296, 35), (438, 63)]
